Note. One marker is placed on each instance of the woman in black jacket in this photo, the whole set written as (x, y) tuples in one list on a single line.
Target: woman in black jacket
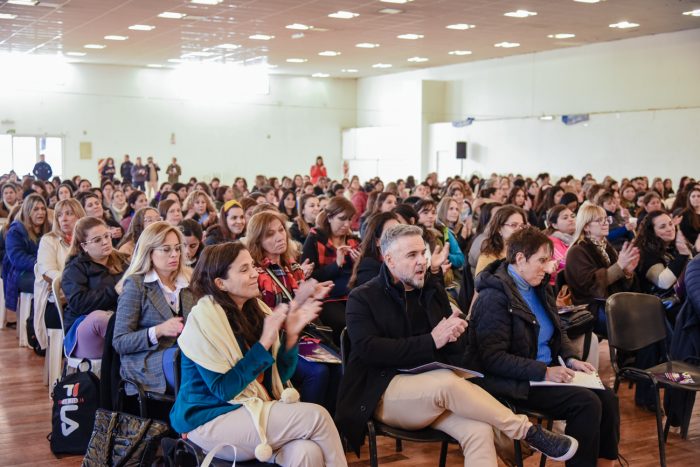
[(370, 262), (515, 337), (93, 269)]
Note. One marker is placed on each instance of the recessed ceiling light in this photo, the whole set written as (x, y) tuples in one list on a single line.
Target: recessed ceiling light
[(116, 38), (298, 26), (460, 26), (343, 15), (7, 16), (349, 70), (207, 2), (561, 35), (520, 13), (507, 45), (329, 53), (296, 60), (227, 46), (261, 37), (154, 65), (176, 60), (460, 52), (320, 75), (76, 54), (171, 15), (381, 65), (142, 27), (692, 12), (23, 2), (411, 37), (390, 11), (417, 59), (367, 45), (624, 25), (547, 118), (396, 1), (94, 46)]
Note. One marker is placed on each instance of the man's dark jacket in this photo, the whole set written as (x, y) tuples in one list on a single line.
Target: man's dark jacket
[(503, 334), (382, 342)]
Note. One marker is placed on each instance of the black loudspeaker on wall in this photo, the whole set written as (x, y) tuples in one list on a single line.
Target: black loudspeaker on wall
[(461, 149)]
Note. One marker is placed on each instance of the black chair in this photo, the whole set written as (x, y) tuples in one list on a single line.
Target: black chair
[(636, 321), (376, 428), (144, 397)]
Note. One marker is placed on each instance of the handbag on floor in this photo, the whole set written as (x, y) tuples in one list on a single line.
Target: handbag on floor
[(123, 440), (75, 400)]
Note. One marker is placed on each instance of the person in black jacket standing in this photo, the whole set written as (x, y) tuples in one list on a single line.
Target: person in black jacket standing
[(125, 169), (402, 319), (515, 337)]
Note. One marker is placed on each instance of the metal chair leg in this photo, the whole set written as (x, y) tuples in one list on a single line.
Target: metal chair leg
[(667, 428), (443, 454), (372, 438), (659, 429), (518, 453), (399, 445), (543, 458)]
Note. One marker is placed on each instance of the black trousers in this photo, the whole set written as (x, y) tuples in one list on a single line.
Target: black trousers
[(592, 417), (333, 316)]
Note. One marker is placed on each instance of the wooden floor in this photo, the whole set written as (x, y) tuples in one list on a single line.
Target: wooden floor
[(25, 420)]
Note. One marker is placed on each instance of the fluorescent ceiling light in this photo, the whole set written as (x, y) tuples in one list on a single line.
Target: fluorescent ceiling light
[(261, 37), (624, 25), (561, 35), (367, 45), (411, 37), (271, 66), (381, 65), (588, 1), (460, 52), (329, 53), (227, 46), (460, 26), (520, 13), (349, 70), (171, 15), (343, 15), (320, 75), (76, 54), (401, 2), (7, 16), (23, 2), (207, 2), (417, 59), (507, 45), (298, 26), (142, 27), (296, 60), (94, 46), (390, 11), (116, 38), (154, 65), (692, 12), (176, 60), (547, 118), (198, 54)]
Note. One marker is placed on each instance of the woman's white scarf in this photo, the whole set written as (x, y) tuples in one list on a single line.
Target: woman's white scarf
[(208, 340)]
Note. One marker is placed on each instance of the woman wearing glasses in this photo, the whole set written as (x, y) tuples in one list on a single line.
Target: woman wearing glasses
[(504, 223), (594, 270), (93, 269), (152, 308), (142, 219)]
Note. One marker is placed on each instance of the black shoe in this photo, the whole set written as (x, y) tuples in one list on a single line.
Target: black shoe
[(555, 446)]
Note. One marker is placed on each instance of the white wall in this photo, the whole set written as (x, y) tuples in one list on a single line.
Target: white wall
[(135, 110), (643, 95)]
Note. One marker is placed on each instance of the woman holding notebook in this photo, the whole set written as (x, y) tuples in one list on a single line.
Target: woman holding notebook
[(515, 337)]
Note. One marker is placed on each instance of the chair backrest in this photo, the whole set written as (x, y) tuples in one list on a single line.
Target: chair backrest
[(634, 320), (344, 347)]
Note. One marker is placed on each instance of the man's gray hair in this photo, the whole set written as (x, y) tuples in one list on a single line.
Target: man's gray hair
[(396, 232)]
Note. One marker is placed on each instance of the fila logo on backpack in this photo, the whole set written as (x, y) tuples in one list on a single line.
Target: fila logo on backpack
[(75, 401)]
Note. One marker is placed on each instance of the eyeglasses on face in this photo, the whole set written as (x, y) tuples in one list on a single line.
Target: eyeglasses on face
[(167, 249), (515, 226), (603, 220), (107, 237), (152, 219)]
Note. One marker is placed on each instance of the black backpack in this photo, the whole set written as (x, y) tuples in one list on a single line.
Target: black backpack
[(75, 401)]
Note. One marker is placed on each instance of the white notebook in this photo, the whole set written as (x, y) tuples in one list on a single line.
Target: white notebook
[(581, 379)]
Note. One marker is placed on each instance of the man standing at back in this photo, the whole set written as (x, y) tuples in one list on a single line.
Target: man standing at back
[(42, 169), (403, 319), (153, 170), (174, 171), (125, 170)]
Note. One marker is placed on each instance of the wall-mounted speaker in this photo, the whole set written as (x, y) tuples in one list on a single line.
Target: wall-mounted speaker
[(461, 149)]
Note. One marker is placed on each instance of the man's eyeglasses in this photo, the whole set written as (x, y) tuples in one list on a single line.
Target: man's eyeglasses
[(101, 239), (167, 249)]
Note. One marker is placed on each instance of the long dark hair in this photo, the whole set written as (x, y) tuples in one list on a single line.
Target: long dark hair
[(215, 262), (369, 247), (494, 242), (647, 241), (282, 207)]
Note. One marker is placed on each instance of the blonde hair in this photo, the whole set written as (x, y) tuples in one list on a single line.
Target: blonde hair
[(25, 216), (70, 203), (442, 208), (586, 214), (153, 237), (256, 233), (192, 197)]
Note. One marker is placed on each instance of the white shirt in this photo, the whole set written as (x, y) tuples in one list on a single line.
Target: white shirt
[(171, 296)]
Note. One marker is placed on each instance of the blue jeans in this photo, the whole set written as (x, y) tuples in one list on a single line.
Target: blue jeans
[(318, 382), (168, 370)]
